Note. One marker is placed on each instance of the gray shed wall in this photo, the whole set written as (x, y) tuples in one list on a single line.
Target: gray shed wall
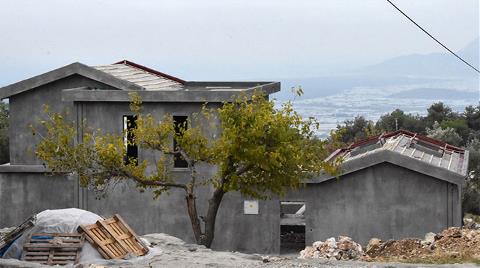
[(384, 201)]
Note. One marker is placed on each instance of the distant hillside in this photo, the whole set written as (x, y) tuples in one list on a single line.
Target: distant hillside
[(432, 65), (317, 87), (417, 72), (435, 94)]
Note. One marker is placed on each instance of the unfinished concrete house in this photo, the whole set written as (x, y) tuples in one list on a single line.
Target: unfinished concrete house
[(395, 185)]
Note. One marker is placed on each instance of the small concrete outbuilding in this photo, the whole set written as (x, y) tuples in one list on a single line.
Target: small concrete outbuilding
[(391, 186)]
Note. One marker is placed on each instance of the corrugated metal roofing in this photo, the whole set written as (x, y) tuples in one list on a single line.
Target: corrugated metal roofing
[(142, 76), (418, 147)]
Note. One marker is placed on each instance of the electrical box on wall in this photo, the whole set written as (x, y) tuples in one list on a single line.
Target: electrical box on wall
[(250, 207)]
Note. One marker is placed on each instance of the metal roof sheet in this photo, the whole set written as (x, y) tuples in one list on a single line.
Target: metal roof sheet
[(142, 76), (417, 147)]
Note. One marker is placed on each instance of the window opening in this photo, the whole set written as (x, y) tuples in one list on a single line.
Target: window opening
[(180, 124), (131, 148)]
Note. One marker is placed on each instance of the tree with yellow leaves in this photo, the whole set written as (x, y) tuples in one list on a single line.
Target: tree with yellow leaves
[(260, 151)]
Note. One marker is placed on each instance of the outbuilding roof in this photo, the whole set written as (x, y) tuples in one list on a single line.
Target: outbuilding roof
[(410, 150)]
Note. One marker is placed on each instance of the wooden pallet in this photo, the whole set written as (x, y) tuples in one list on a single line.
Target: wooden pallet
[(113, 238), (53, 248), (8, 238)]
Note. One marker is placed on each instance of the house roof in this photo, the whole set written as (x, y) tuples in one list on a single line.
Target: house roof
[(128, 76), (142, 76), (410, 150)]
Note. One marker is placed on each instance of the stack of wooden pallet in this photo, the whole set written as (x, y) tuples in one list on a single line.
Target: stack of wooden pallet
[(113, 238), (53, 248)]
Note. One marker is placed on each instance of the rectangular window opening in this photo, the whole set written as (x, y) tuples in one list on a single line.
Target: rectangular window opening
[(180, 123), (131, 148)]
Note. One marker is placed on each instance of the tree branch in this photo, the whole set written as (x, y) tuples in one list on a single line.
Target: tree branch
[(154, 183)]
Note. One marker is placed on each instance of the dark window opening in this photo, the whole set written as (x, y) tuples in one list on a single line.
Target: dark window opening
[(129, 124), (292, 227), (181, 124)]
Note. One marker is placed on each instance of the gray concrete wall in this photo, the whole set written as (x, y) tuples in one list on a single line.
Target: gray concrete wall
[(24, 194), (384, 201), (27, 108)]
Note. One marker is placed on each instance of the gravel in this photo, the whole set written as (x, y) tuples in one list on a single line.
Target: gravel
[(169, 251)]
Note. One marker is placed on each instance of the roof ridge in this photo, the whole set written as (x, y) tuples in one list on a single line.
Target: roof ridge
[(151, 71)]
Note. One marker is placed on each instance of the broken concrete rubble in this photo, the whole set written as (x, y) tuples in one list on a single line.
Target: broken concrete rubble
[(344, 248), (451, 245)]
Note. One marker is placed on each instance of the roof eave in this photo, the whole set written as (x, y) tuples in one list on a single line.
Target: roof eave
[(104, 95), (62, 72), (382, 156)]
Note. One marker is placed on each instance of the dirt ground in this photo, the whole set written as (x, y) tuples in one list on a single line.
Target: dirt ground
[(168, 251), (450, 246)]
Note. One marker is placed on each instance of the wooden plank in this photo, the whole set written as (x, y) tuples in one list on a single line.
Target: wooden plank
[(113, 238), (143, 249), (59, 234), (50, 257), (53, 248), (45, 253), (104, 240), (114, 235), (47, 245), (99, 249), (59, 258)]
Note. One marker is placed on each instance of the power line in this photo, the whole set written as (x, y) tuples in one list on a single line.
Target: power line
[(431, 36)]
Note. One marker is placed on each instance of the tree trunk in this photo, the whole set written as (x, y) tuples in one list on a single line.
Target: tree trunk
[(213, 205), (204, 238), (192, 213)]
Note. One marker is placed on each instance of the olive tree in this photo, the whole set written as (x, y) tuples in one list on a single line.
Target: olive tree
[(259, 150)]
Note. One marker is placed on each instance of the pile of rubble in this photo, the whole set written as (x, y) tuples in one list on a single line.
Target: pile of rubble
[(452, 244), (344, 248)]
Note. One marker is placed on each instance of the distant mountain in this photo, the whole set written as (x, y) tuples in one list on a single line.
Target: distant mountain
[(317, 87), (416, 72), (429, 65), (435, 94)]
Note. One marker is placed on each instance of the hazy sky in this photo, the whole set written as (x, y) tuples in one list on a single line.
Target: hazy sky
[(224, 39)]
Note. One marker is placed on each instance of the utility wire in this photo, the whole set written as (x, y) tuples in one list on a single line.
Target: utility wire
[(431, 36)]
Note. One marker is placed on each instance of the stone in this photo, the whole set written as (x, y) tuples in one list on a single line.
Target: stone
[(317, 244), (345, 245), (453, 232), (373, 243), (343, 249), (344, 238), (331, 242), (307, 252), (430, 237)]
